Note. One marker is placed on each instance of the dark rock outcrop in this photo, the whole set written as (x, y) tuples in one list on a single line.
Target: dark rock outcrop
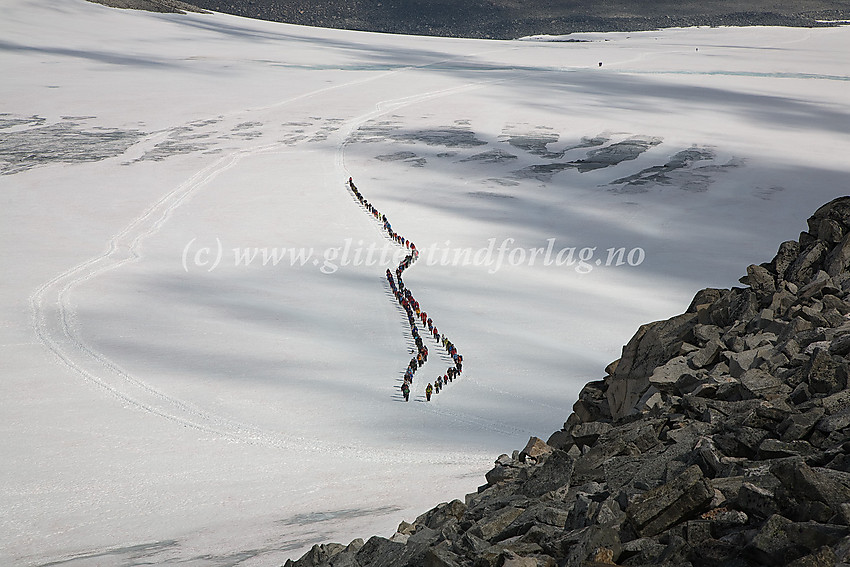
[(721, 437), (162, 6), (506, 19)]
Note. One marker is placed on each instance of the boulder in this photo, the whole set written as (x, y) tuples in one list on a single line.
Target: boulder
[(723, 519), (707, 355), (586, 434), (379, 552), (592, 403), (823, 557), (782, 301), (441, 556), (318, 555), (775, 449), (810, 536), (837, 210), (501, 473), (643, 551), (767, 321), (539, 514), (560, 440), (755, 500), (771, 545), (469, 544), (489, 527), (653, 345), (760, 384), (819, 282), (788, 252), (697, 531), (822, 373), (555, 473), (806, 264), (739, 304), (840, 345), (798, 426), (835, 422), (704, 333), (760, 280), (706, 297), (660, 508), (740, 362), (805, 483), (441, 514), (536, 449), (838, 260), (836, 402), (590, 465), (510, 559), (581, 546)]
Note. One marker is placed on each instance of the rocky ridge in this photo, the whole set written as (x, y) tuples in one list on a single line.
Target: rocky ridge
[(507, 19), (720, 438), (162, 6)]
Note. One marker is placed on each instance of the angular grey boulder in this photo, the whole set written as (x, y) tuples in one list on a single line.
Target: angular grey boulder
[(670, 504)]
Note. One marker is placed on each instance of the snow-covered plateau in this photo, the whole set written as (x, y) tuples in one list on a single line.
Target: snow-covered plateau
[(200, 352)]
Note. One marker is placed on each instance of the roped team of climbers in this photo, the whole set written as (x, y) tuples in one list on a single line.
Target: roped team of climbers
[(414, 313)]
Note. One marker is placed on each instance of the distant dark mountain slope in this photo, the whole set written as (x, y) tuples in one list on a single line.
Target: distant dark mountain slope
[(166, 6), (507, 19)]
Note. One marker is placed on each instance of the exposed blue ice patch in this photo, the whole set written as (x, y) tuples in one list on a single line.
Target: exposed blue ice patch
[(345, 514), (33, 143)]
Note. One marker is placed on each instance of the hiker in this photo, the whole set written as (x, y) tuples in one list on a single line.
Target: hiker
[(428, 390), (405, 390)]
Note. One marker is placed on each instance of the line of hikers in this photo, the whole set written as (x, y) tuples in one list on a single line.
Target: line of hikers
[(414, 313), (397, 238)]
